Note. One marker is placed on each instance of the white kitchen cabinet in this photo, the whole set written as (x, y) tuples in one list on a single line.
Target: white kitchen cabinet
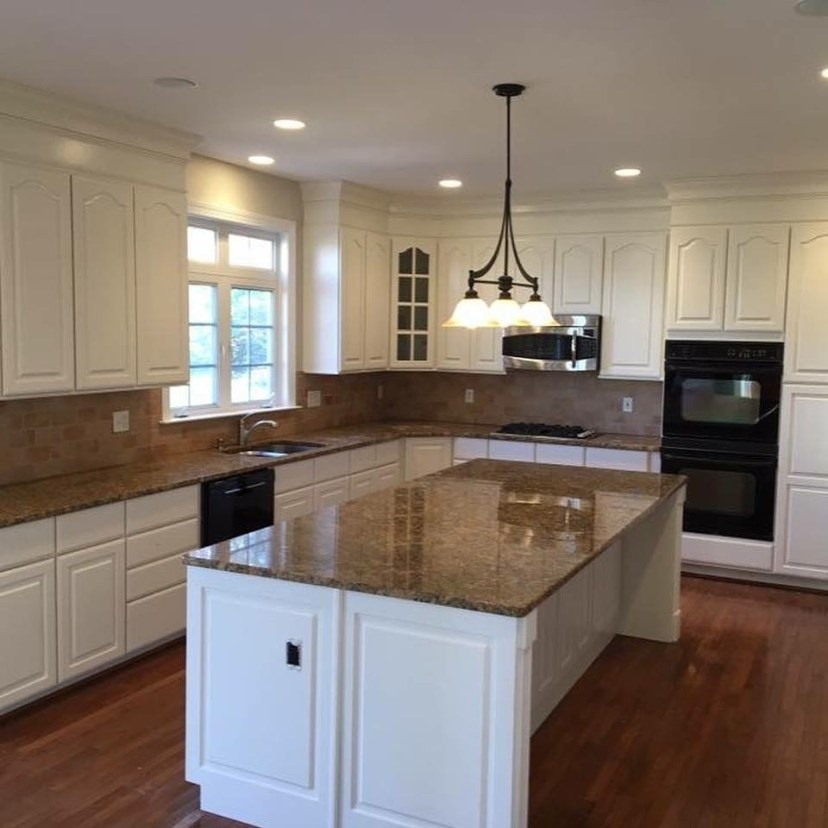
[(512, 450), (487, 343), (622, 459), (470, 448), (632, 336), (261, 710), (425, 455), (413, 303), (28, 663), (161, 286), (91, 616), (362, 483), (806, 342), (538, 257), (293, 504), (563, 455), (104, 267), (731, 279), (804, 551), (346, 300), (387, 477), (579, 271), (331, 492), (453, 344), (36, 301), (698, 258)]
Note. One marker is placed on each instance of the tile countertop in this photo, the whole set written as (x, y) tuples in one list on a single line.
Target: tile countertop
[(21, 502), (523, 531)]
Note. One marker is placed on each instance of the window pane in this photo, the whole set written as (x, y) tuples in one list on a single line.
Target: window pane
[(240, 347), (261, 346), (421, 290), (420, 347), (261, 383), (403, 347), (404, 318), (405, 289), (405, 261), (179, 396), (248, 251), (422, 262), (203, 386), (239, 307), (202, 303), (420, 319), (261, 307), (203, 346), (240, 385), (201, 245)]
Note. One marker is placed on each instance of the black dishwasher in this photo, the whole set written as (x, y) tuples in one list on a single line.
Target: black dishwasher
[(236, 505)]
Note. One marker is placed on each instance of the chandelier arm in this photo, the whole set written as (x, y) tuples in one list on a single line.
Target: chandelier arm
[(532, 281), (474, 275)]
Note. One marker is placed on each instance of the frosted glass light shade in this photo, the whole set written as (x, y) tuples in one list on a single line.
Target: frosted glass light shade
[(469, 313), (537, 313), (506, 313)]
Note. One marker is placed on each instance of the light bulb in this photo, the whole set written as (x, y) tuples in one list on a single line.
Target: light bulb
[(470, 312)]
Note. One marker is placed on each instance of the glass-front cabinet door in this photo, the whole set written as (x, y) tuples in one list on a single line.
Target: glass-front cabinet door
[(413, 297)]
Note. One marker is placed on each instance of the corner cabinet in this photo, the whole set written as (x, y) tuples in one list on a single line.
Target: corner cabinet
[(346, 293), (728, 279), (633, 306), (413, 301)]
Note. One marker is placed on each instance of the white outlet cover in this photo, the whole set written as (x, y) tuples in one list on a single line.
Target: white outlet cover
[(314, 399), (120, 422), (469, 395), (627, 405)]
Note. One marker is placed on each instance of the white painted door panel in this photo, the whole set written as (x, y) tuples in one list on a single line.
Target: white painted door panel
[(805, 532), (697, 278), (425, 455), (538, 257), (352, 297), (579, 269), (486, 343), (377, 300), (806, 424), (104, 258), (453, 344), (36, 295)]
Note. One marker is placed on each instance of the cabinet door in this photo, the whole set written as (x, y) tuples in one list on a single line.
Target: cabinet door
[(804, 551), (697, 278), (413, 303), (352, 256), (806, 342), (331, 493), (91, 608), (579, 270), (36, 302), (538, 257), (633, 324), (27, 632), (293, 504), (425, 455), (377, 300), (104, 256), (623, 459), (161, 292), (757, 275), (453, 344), (487, 343)]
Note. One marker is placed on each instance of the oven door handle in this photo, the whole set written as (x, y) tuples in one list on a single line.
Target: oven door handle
[(764, 462)]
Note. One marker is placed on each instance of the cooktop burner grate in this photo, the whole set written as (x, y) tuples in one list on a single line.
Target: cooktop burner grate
[(571, 432)]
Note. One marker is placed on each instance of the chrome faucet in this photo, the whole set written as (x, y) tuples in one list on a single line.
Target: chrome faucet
[(245, 432)]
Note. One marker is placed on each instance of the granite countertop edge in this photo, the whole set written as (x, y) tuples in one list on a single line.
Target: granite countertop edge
[(54, 496)]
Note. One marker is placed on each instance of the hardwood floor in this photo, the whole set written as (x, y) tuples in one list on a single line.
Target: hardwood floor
[(727, 728)]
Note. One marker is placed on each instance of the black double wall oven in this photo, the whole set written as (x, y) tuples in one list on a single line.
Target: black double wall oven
[(721, 430)]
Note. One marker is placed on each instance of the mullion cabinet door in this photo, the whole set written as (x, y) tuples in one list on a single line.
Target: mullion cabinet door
[(413, 300)]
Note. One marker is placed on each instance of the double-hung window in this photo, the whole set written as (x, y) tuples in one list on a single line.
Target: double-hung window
[(241, 325)]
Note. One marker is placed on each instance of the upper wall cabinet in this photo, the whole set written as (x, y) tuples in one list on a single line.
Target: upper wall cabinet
[(36, 280), (346, 292), (538, 257), (579, 270), (413, 303), (633, 302), (806, 346), (728, 279)]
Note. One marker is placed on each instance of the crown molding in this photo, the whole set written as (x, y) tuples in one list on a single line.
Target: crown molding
[(799, 183), (72, 117), (346, 192)]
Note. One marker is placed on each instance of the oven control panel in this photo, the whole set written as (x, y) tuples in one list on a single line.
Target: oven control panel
[(723, 351)]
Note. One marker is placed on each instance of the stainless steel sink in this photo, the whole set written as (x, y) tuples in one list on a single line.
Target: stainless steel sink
[(278, 449)]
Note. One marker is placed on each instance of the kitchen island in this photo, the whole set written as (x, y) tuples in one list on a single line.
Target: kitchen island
[(384, 662)]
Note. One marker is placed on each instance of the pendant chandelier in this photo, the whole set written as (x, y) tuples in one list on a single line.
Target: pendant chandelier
[(471, 311)]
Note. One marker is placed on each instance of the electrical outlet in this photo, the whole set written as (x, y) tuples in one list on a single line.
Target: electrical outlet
[(469, 395), (120, 422), (380, 391), (627, 405), (314, 399)]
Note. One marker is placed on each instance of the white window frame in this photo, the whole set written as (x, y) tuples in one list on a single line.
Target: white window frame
[(283, 285)]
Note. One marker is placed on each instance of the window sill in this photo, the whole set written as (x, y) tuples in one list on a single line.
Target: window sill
[(225, 415)]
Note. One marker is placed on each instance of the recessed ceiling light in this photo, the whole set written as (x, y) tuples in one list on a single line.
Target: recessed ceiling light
[(450, 183), (261, 160), (818, 8), (288, 123), (824, 73), (628, 172), (175, 83)]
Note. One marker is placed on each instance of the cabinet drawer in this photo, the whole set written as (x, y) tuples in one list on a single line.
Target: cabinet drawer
[(470, 448), (161, 509), (89, 527), (561, 455), (508, 450), (160, 543), (601, 458), (26, 543), (363, 458), (331, 492), (155, 576), (331, 466), (295, 503), (156, 617), (293, 476), (388, 453)]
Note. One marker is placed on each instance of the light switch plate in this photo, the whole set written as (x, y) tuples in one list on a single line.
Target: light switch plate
[(120, 422), (627, 405), (469, 395), (314, 399)]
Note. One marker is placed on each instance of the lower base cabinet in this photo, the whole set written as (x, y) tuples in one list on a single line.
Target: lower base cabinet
[(426, 455)]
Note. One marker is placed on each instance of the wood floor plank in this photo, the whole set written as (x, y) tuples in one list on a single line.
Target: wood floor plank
[(726, 729)]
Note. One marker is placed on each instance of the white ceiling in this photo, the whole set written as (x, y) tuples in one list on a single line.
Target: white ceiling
[(396, 93)]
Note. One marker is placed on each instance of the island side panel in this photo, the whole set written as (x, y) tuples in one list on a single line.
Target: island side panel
[(262, 732), (436, 716), (650, 574)]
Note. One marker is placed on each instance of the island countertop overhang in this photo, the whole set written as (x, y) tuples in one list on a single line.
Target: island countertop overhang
[(488, 536)]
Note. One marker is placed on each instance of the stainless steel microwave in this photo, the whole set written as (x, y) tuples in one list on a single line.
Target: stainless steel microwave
[(571, 343)]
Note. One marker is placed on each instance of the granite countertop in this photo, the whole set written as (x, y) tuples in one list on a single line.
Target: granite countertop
[(490, 536), (21, 502)]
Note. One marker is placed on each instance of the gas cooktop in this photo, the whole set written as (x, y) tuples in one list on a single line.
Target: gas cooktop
[(571, 432)]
